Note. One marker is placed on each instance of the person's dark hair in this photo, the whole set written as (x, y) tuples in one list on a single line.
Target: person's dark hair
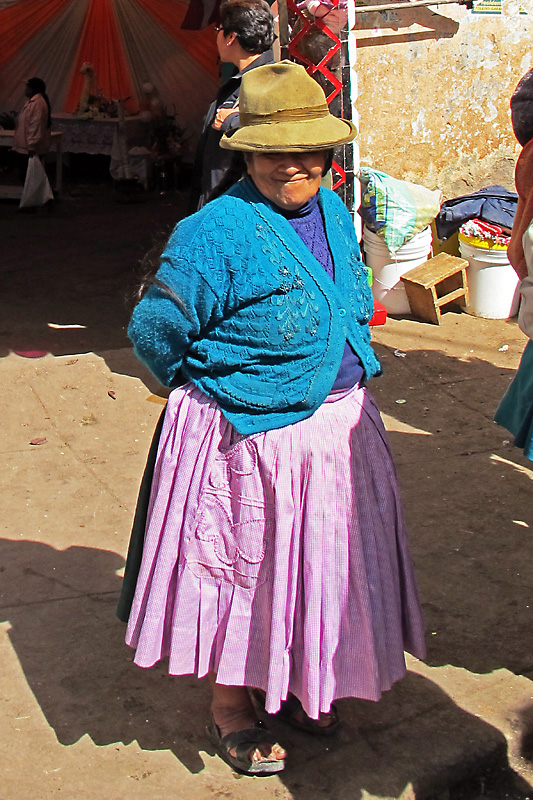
[(235, 171), (149, 265), (522, 109), (251, 21), (329, 162), (38, 86)]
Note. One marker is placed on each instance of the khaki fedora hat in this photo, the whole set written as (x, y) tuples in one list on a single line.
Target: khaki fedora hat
[(282, 109)]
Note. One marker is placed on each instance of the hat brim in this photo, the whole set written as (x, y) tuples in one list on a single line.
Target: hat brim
[(283, 137)]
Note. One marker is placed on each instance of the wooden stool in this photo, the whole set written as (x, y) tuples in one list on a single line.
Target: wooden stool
[(433, 284)]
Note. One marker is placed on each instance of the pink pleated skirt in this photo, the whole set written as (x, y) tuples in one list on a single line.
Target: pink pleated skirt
[(278, 560)]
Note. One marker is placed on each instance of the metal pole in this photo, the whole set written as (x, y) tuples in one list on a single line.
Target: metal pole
[(283, 17)]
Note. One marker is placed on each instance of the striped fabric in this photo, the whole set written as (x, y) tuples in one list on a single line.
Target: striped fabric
[(128, 42), (279, 560)]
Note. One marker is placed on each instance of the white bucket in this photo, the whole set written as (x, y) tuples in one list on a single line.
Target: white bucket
[(388, 268), (492, 282)]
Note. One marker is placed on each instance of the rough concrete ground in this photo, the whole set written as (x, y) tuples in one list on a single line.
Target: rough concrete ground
[(78, 719)]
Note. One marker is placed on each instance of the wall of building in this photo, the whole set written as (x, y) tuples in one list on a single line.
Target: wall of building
[(433, 90)]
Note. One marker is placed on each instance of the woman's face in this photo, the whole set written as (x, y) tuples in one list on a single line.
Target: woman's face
[(287, 179)]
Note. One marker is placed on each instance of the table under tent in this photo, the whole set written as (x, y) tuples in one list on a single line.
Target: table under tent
[(94, 53)]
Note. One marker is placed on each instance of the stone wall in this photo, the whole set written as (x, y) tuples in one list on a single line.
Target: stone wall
[(433, 93)]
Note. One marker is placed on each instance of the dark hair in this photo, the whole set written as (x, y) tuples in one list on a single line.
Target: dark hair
[(522, 109), (149, 265), (329, 162), (38, 86), (235, 171), (251, 21)]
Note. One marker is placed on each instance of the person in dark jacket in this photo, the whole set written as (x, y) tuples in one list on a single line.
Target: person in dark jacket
[(244, 39)]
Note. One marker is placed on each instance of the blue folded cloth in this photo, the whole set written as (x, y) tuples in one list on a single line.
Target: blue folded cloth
[(494, 204)]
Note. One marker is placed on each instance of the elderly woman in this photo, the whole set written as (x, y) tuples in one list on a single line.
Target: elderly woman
[(275, 559), (244, 39)]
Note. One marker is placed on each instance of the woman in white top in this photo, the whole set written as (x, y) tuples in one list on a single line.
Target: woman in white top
[(32, 129)]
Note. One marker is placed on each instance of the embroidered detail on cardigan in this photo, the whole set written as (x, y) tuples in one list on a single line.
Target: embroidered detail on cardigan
[(296, 306)]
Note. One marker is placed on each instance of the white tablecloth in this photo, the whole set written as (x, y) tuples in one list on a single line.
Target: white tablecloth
[(94, 136)]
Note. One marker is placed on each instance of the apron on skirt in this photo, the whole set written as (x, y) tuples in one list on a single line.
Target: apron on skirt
[(278, 560)]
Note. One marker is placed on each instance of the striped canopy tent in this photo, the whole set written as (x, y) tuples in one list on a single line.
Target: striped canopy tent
[(129, 43)]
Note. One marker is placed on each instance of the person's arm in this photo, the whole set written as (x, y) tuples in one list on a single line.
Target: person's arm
[(165, 323), (226, 119), (527, 243), (525, 314), (227, 114)]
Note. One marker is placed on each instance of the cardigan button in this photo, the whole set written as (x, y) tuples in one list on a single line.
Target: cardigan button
[(342, 312)]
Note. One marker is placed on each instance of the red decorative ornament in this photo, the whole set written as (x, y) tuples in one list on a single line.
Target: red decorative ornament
[(340, 177), (321, 67), (294, 50)]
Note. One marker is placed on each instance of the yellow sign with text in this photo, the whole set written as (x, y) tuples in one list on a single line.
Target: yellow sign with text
[(490, 7)]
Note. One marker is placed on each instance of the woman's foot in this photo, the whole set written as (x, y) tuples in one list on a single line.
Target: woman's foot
[(244, 742), (243, 749), (292, 712), (327, 723)]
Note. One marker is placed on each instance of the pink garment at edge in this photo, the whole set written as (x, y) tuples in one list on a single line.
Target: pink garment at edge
[(31, 131), (279, 560)]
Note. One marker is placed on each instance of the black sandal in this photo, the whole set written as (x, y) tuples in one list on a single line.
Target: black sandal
[(243, 742), (291, 711)]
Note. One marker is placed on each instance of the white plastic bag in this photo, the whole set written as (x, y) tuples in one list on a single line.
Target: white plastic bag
[(37, 190)]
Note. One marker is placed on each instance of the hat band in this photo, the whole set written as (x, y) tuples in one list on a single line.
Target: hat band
[(286, 115)]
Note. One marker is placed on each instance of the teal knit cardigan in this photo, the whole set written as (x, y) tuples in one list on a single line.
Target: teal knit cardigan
[(252, 318)]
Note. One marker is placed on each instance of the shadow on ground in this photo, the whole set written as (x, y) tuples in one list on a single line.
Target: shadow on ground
[(69, 277), (468, 499), (60, 609)]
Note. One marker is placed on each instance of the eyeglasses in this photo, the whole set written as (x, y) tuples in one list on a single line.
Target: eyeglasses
[(218, 28)]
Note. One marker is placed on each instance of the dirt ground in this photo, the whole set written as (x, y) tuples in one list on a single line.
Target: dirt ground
[(78, 412)]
